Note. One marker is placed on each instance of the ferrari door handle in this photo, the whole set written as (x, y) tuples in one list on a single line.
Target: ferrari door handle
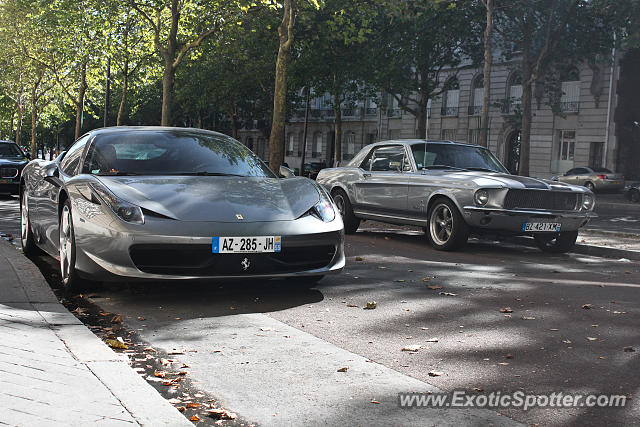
[(366, 175)]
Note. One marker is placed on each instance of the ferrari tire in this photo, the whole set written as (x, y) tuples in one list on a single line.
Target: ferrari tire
[(556, 243), (447, 229), (26, 233), (69, 278), (351, 222)]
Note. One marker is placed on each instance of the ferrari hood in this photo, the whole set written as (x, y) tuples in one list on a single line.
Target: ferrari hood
[(218, 198)]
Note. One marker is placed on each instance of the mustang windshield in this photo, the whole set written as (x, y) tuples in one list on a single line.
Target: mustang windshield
[(460, 157), (167, 152)]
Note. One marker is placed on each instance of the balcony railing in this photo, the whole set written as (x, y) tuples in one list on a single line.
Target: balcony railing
[(475, 110), (371, 111), (570, 107), (394, 112), (288, 153), (510, 107), (316, 154), (449, 111)]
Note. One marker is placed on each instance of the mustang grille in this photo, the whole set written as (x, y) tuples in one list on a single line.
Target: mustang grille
[(8, 172), (541, 199), (197, 260)]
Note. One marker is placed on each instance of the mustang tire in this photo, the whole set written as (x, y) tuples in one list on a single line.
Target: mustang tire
[(556, 243), (351, 222), (447, 229)]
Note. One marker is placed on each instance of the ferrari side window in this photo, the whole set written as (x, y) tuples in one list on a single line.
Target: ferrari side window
[(72, 159)]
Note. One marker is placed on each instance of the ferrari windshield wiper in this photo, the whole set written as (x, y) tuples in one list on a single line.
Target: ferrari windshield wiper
[(117, 174), (442, 167), (204, 173), (482, 169)]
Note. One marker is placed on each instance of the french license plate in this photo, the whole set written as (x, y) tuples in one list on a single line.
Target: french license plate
[(541, 226), (5, 181), (246, 244)]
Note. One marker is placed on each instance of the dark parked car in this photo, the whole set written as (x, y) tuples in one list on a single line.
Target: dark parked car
[(12, 160), (632, 192), (311, 170)]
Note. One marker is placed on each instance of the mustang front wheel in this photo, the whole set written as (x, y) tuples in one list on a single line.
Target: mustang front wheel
[(447, 229), (351, 222), (556, 243)]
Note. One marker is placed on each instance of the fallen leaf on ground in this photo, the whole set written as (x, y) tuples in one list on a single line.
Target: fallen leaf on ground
[(566, 341), (399, 280), (370, 305), (149, 349), (554, 329), (434, 287), (116, 319), (194, 418), (79, 311), (592, 339), (343, 369), (509, 356), (528, 318), (503, 363), (181, 408), (375, 401), (382, 267), (506, 310), (140, 318), (104, 313), (116, 344), (193, 405), (414, 347), (232, 308), (448, 294), (435, 373), (160, 374), (221, 414), (619, 312), (628, 272), (359, 258), (173, 352), (629, 349), (586, 306), (174, 401), (352, 305), (426, 279), (432, 340)]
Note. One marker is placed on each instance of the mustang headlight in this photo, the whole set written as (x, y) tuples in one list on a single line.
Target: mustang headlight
[(481, 197), (588, 202), (126, 211)]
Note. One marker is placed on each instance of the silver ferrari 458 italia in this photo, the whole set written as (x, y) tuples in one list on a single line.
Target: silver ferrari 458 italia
[(172, 203), (452, 190)]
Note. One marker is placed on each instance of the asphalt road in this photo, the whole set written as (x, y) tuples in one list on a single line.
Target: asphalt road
[(616, 214), (272, 350)]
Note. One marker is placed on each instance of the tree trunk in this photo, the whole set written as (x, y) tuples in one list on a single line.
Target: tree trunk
[(233, 114), (125, 87), (527, 96), (421, 117), (168, 82), (107, 94), (34, 120), (484, 117), (82, 89), (276, 139), (337, 120), (19, 123), (304, 133)]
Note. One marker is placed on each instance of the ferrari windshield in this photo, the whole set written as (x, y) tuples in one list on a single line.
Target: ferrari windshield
[(10, 150), (453, 156), (169, 152)]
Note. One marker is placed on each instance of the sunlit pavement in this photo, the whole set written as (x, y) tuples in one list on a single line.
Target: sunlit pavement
[(271, 350)]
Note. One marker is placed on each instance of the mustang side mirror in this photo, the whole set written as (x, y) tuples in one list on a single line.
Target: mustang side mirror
[(554, 178), (285, 172)]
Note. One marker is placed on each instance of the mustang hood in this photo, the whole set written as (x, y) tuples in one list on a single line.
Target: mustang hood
[(218, 198), (509, 181)]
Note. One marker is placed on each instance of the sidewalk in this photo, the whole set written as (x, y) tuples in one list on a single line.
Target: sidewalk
[(54, 371)]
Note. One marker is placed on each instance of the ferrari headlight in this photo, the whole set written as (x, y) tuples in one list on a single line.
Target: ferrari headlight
[(126, 211), (588, 202), (481, 197), (324, 210)]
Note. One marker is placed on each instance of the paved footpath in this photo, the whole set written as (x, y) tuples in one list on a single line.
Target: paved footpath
[(54, 371)]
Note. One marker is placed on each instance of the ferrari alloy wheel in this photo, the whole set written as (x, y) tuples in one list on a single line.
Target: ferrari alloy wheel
[(351, 222), (447, 229), (556, 243), (67, 250), (26, 235)]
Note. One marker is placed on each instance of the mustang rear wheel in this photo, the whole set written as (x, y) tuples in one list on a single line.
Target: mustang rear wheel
[(556, 243), (447, 229), (351, 222), (26, 234), (590, 186)]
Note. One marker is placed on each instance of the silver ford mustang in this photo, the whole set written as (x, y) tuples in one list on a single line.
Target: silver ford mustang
[(170, 203), (454, 189)]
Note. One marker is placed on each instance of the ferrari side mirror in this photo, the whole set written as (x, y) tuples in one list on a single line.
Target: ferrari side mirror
[(285, 172)]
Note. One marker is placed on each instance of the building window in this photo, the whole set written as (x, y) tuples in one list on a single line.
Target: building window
[(474, 136), (449, 134), (451, 98), (570, 99), (475, 107), (595, 154), (394, 107), (567, 144), (289, 151), (250, 143), (349, 146), (317, 145), (514, 94), (371, 108)]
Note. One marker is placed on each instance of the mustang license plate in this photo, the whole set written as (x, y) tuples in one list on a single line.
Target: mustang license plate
[(541, 226), (246, 244)]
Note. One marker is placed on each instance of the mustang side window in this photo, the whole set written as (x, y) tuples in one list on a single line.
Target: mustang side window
[(388, 159)]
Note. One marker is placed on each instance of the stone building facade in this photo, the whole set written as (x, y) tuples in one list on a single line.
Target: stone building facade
[(582, 134)]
